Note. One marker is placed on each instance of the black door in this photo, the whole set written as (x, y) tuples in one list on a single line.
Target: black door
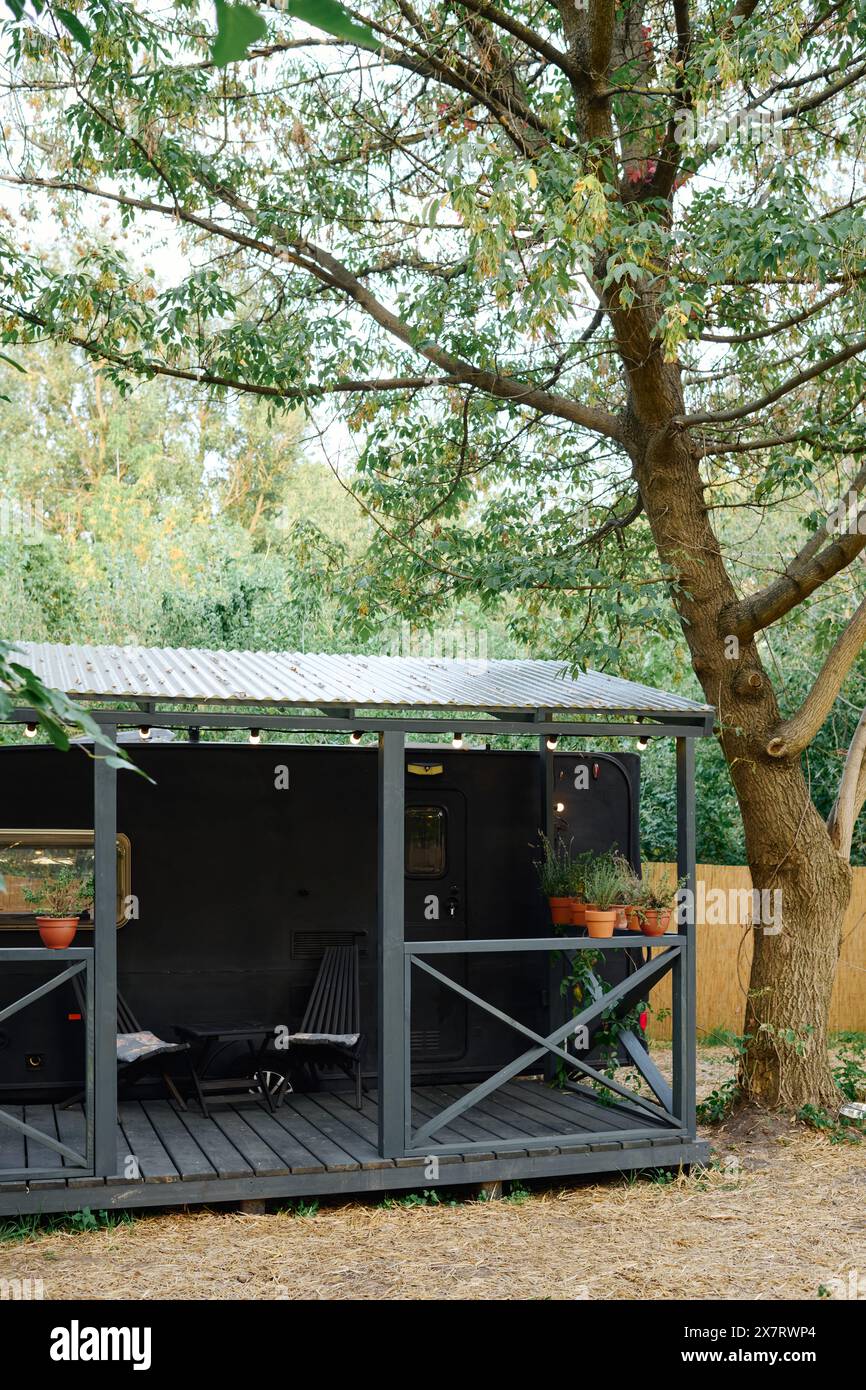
[(436, 910)]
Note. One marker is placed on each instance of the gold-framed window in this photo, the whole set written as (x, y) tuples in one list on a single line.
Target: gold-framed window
[(28, 855), (426, 841)]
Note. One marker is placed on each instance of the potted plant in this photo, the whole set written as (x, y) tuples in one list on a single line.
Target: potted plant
[(628, 893), (654, 905), (59, 902), (577, 889), (555, 873), (603, 884)]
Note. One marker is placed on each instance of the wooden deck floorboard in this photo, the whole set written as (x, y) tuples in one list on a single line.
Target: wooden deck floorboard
[(319, 1142)]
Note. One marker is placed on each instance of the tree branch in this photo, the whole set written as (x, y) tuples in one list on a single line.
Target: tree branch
[(743, 9), (791, 384), (791, 736), (151, 366), (332, 273), (812, 566), (757, 334), (528, 37), (852, 792)]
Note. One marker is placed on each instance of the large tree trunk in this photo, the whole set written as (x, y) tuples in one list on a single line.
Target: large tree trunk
[(788, 845), (789, 848)]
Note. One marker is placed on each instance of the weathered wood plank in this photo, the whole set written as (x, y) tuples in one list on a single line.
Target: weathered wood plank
[(429, 1101), (588, 1115), (13, 1151), (352, 1129), (218, 1150), (508, 1124), (71, 1130), (299, 1124), (291, 1151), (185, 1153), (324, 1132), (536, 1097), (548, 1123), (261, 1158), (370, 1111), (144, 1145), (360, 1180), (40, 1155)]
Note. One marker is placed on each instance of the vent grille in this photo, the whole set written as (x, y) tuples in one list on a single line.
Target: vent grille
[(311, 945), (426, 1040)]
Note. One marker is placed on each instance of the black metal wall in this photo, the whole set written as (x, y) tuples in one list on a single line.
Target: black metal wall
[(242, 881)]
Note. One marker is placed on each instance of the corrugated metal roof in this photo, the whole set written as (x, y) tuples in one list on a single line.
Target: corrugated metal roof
[(302, 680)]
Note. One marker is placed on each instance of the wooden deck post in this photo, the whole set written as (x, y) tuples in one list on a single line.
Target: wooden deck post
[(556, 1005), (104, 1118), (683, 982), (394, 1054)]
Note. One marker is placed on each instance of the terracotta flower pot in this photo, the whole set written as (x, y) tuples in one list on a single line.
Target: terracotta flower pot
[(578, 912), (600, 922), (633, 922), (656, 922), (622, 917), (57, 932), (560, 911)]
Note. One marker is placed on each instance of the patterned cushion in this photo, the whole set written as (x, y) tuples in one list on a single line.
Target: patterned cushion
[(132, 1046)]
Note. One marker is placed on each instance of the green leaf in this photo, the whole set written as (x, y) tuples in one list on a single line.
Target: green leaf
[(13, 363), (74, 25), (238, 27), (330, 16), (17, 8)]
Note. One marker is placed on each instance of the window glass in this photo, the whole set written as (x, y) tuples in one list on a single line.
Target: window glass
[(425, 841), (29, 857)]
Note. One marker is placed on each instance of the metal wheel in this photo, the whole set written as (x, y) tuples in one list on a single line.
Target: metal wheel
[(275, 1085)]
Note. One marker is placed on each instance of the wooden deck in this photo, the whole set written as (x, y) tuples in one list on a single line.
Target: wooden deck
[(319, 1144)]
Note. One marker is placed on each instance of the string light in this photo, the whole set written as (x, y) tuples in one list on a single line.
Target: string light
[(457, 741), (643, 744), (552, 741), (255, 736), (355, 737), (30, 730), (144, 731)]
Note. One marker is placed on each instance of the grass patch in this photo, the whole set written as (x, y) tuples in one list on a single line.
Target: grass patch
[(21, 1228)]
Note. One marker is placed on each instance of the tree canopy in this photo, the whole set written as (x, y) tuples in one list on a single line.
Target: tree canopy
[(584, 283)]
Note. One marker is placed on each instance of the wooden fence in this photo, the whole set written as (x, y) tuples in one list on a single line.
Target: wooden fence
[(725, 955)]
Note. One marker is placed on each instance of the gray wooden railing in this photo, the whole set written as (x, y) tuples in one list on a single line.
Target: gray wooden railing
[(76, 960), (673, 1106)]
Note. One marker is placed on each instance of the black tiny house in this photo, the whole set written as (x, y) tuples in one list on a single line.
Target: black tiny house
[(244, 863), (240, 866)]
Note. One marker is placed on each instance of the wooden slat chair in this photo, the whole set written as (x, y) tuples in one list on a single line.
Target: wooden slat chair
[(139, 1052), (330, 1032)]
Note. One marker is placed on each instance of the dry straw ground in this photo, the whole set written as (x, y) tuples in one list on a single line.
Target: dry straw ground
[(788, 1217)]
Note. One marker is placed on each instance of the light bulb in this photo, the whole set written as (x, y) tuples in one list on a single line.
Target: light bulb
[(30, 730), (144, 731), (553, 741), (560, 806), (643, 744), (457, 741), (255, 736), (355, 737)]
